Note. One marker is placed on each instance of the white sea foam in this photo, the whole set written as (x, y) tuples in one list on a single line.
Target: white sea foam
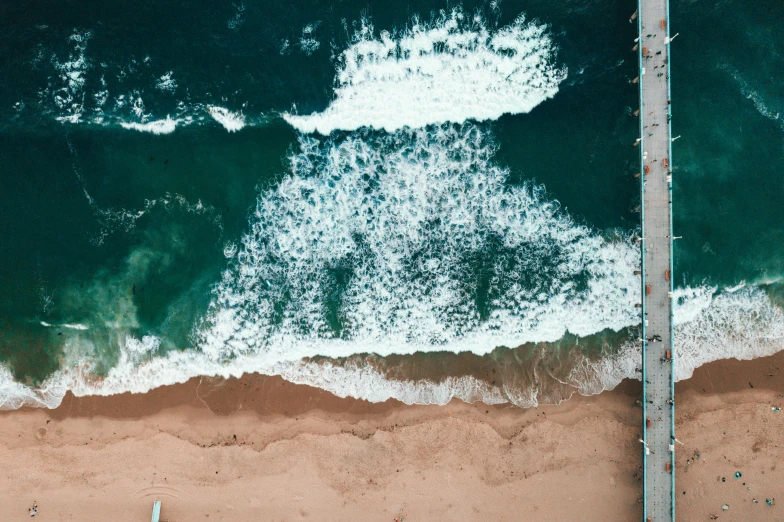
[(369, 384), (137, 371), (166, 126), (743, 324), (166, 82), (100, 98), (14, 395), (77, 326), (308, 43), (229, 249), (68, 90), (121, 219), (137, 105), (147, 345), (237, 20), (406, 216), (68, 93), (740, 323), (452, 70), (231, 121), (775, 114)]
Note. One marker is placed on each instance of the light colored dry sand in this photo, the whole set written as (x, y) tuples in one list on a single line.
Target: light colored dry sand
[(302, 454)]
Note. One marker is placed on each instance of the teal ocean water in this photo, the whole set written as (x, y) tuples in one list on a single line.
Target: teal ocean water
[(419, 200)]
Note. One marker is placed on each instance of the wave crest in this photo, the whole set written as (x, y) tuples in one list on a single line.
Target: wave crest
[(452, 70)]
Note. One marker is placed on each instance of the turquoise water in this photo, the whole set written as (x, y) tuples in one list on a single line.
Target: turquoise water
[(454, 220)]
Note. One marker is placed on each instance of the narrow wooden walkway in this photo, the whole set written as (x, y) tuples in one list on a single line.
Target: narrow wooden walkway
[(657, 307)]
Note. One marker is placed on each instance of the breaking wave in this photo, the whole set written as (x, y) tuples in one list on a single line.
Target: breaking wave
[(740, 323), (451, 70), (166, 126), (413, 242), (743, 324), (231, 121)]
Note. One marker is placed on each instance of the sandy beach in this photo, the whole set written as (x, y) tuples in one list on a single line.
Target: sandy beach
[(259, 448)]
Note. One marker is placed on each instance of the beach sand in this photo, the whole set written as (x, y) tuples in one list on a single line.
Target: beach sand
[(259, 448)]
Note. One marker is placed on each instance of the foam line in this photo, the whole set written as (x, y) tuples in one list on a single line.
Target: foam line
[(166, 126), (743, 324), (231, 121)]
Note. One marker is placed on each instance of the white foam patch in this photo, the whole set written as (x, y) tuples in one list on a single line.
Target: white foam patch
[(77, 326), (308, 43), (148, 344), (166, 126), (238, 19), (451, 70), (166, 83), (69, 95), (366, 383), (231, 121), (117, 100), (405, 219), (229, 249), (14, 395)]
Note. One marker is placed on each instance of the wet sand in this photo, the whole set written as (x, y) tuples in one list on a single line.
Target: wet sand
[(259, 448)]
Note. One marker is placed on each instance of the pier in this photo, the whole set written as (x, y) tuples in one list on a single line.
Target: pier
[(658, 350)]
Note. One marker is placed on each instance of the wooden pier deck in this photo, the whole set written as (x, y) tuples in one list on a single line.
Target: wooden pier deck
[(657, 271)]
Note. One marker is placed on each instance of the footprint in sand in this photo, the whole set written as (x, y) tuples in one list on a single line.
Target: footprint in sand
[(40, 433)]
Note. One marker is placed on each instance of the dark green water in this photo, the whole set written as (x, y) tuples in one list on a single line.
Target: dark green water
[(109, 234)]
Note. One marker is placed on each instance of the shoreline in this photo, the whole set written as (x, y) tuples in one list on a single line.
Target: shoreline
[(260, 447)]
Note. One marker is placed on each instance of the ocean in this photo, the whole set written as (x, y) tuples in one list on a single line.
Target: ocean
[(412, 200)]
